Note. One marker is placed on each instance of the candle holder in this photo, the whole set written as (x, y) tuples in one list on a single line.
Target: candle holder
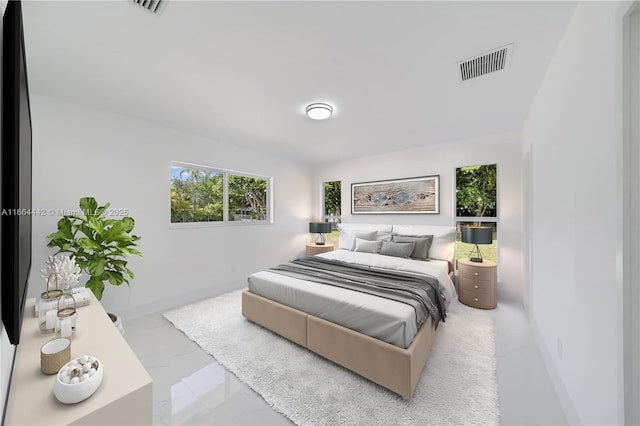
[(67, 316), (54, 354), (48, 306)]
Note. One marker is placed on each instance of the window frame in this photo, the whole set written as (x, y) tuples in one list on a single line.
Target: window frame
[(328, 217), (225, 198), (488, 219), (333, 219)]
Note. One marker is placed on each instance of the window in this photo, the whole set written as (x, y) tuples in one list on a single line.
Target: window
[(477, 204), (488, 251), (331, 208), (202, 194), (247, 198)]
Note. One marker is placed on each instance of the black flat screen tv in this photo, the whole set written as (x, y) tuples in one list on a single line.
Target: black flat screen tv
[(15, 221)]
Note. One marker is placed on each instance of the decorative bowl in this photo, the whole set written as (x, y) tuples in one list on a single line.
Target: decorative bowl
[(78, 379)]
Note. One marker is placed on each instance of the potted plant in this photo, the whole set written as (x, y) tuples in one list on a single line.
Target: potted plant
[(100, 245)]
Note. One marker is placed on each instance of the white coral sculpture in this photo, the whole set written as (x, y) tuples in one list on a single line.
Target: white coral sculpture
[(64, 268)]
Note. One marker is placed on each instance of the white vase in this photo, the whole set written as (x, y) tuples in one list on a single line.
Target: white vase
[(117, 322)]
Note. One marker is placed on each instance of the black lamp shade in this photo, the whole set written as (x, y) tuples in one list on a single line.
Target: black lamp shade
[(319, 227), (477, 235)]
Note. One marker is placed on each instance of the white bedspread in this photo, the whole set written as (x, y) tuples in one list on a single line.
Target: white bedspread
[(384, 319)]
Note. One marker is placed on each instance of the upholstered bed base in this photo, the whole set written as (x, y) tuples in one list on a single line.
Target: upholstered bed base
[(392, 367)]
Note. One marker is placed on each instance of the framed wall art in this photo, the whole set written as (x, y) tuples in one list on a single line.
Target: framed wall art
[(418, 195)]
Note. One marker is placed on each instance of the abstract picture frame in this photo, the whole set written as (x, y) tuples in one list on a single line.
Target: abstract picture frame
[(416, 195)]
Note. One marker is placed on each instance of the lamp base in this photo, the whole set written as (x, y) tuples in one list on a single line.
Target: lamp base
[(478, 255), (320, 239)]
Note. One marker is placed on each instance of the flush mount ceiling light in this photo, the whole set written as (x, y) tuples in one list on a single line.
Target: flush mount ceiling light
[(319, 111)]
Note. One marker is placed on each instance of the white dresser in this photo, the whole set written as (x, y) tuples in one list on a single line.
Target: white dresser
[(124, 397)]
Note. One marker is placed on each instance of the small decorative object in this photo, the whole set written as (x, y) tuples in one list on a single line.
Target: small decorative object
[(117, 321), (67, 317), (319, 228), (65, 269), (48, 306), (398, 196), (54, 354), (477, 235), (78, 379)]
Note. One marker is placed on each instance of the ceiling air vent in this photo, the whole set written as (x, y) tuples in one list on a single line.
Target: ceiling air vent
[(153, 6), (492, 61)]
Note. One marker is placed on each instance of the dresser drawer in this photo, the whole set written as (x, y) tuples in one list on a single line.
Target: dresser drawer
[(476, 273), (476, 300), (476, 286)]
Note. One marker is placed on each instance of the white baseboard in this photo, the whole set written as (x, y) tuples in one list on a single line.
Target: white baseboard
[(184, 299)]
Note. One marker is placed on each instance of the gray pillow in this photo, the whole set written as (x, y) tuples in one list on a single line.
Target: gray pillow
[(364, 246), (423, 244), (397, 249), (369, 236)]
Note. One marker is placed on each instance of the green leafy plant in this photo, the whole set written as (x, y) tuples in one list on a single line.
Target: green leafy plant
[(476, 193), (99, 245)]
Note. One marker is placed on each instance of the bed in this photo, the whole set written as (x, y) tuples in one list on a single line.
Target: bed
[(382, 337)]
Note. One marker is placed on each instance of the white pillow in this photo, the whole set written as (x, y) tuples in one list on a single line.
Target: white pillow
[(444, 238), (348, 230), (365, 236), (366, 246)]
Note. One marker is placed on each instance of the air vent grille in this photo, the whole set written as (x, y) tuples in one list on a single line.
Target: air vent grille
[(495, 60), (153, 6)]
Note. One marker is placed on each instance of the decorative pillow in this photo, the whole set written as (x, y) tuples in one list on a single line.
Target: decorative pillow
[(397, 249), (368, 236), (366, 246), (347, 231), (423, 242), (444, 238)]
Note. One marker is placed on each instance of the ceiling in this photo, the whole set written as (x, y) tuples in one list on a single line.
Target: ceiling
[(242, 72)]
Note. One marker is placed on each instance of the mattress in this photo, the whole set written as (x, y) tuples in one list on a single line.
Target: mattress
[(387, 320)]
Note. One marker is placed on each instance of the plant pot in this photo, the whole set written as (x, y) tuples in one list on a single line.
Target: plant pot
[(117, 322)]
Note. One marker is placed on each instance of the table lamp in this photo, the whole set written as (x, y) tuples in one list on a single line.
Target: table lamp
[(320, 228), (477, 235)]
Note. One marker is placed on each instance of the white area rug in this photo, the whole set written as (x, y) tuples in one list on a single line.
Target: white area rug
[(458, 385)]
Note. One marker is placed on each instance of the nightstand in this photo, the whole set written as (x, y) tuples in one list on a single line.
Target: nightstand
[(313, 249), (478, 283)]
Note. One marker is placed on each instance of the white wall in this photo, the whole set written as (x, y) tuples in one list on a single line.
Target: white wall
[(443, 160), (574, 129), (79, 151)]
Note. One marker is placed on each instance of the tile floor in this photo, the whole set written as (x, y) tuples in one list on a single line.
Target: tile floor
[(189, 387)]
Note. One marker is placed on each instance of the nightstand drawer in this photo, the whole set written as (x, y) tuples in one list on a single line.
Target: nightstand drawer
[(476, 300), (476, 286), (476, 273), (477, 283)]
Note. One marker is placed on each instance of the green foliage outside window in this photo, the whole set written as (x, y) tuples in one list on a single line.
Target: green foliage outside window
[(198, 196), (247, 198), (476, 194), (332, 209), (477, 197), (332, 198)]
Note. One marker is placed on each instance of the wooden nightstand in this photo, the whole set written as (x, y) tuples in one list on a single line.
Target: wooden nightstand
[(478, 283), (313, 249)]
